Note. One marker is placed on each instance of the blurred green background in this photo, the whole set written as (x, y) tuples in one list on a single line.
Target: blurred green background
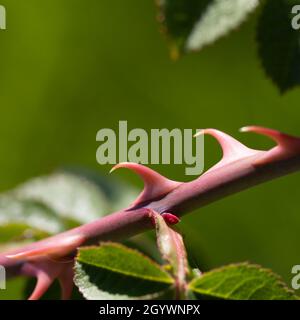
[(70, 68)]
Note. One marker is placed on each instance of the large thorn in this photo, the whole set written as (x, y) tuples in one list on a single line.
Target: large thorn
[(287, 145), (155, 185), (232, 149)]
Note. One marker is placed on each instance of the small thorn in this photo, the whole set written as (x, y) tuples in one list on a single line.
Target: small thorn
[(113, 169), (14, 256), (199, 133), (244, 129), (155, 185), (44, 281)]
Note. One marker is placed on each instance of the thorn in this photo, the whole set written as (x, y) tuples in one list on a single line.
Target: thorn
[(155, 185), (54, 248), (46, 271), (287, 145), (279, 137), (113, 169), (44, 281), (232, 148), (199, 133), (66, 282), (244, 129)]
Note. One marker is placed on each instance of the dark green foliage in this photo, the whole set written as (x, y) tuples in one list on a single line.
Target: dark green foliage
[(279, 44)]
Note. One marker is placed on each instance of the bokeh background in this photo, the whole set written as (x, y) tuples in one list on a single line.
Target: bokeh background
[(70, 68)]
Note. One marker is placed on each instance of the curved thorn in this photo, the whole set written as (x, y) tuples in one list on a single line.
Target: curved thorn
[(232, 148), (44, 281), (66, 282), (280, 138), (46, 271), (58, 248), (155, 185), (287, 145)]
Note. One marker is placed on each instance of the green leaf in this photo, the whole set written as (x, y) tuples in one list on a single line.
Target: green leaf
[(241, 282), (113, 271), (51, 204), (193, 24), (117, 192), (13, 235), (69, 195), (48, 205), (33, 214), (279, 44), (15, 232)]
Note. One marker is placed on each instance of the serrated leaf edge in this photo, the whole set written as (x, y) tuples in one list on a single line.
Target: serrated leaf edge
[(171, 280), (280, 282)]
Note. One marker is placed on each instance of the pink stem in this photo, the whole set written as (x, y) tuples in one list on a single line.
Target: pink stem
[(240, 168)]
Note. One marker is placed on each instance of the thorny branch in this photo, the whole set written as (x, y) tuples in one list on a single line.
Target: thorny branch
[(239, 169)]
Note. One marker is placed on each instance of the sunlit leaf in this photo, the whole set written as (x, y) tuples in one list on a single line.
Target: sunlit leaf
[(113, 271), (192, 24), (33, 214), (67, 194), (241, 282)]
